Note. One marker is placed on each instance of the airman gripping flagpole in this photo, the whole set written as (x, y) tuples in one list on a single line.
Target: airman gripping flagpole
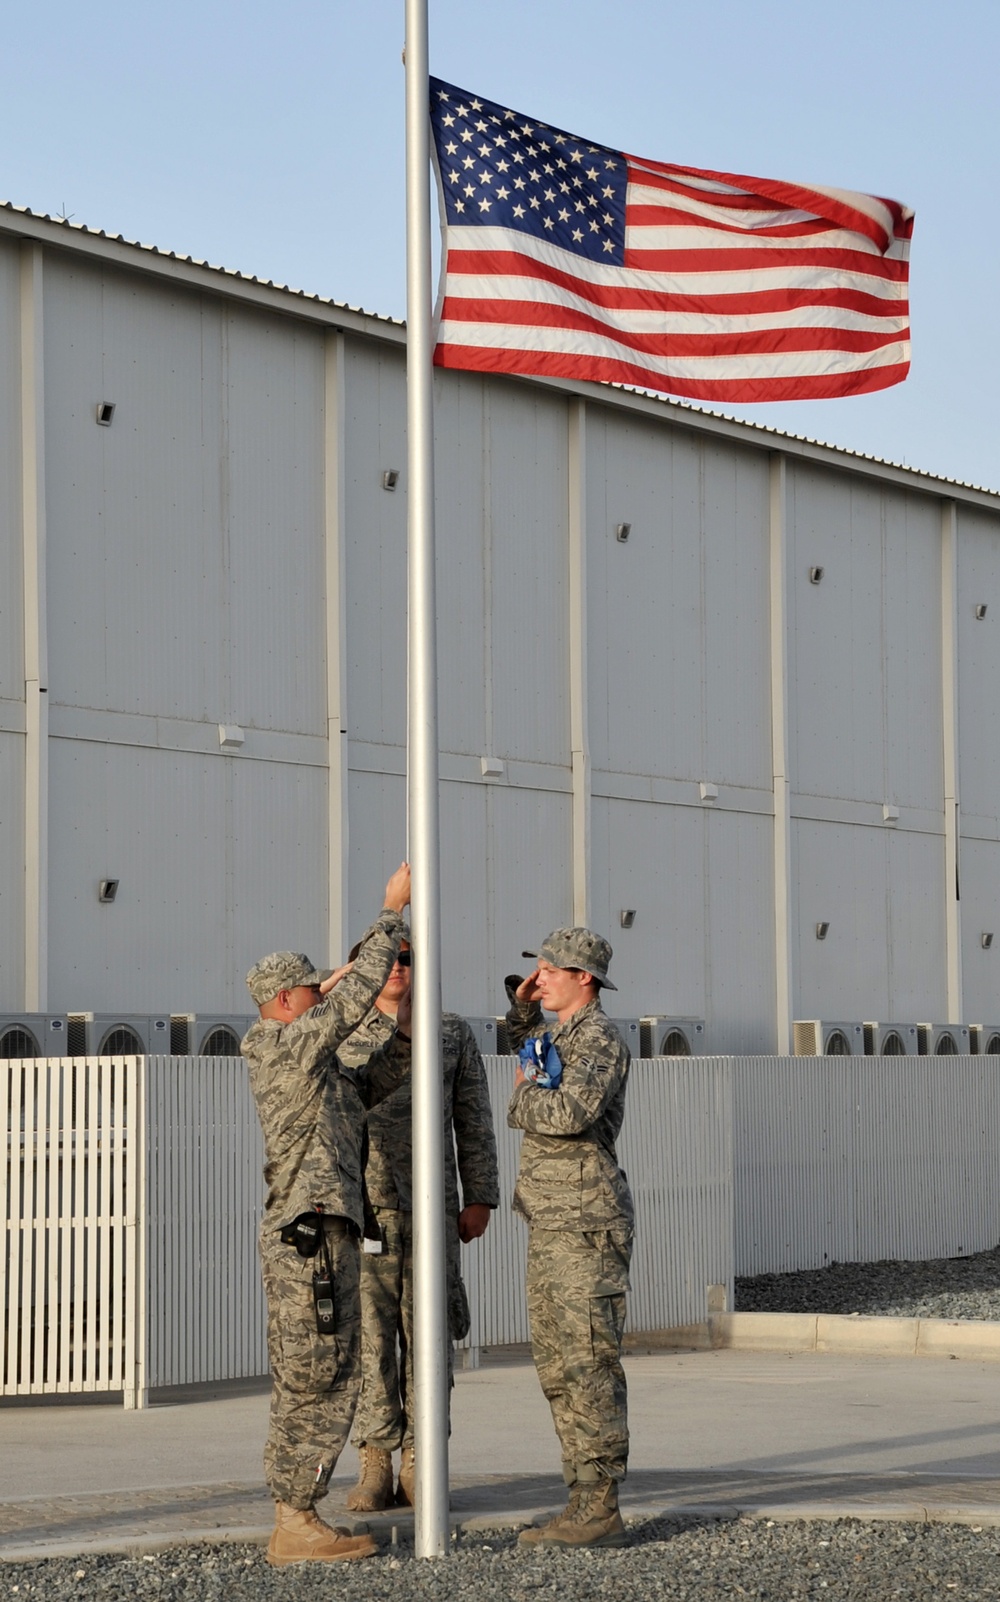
[(430, 1371)]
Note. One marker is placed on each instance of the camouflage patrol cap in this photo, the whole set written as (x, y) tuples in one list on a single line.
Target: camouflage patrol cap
[(576, 948), (282, 970)]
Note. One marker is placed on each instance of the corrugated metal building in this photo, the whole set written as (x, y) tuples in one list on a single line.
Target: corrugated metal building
[(693, 722)]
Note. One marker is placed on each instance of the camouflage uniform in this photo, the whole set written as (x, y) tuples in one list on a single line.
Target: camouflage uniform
[(383, 1418), (579, 1211), (312, 1112)]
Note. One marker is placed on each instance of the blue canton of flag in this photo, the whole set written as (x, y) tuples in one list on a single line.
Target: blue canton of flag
[(500, 170)]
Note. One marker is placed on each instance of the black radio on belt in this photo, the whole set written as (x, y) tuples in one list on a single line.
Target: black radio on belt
[(323, 1302)]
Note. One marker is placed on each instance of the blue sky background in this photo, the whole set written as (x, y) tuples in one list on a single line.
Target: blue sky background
[(269, 138)]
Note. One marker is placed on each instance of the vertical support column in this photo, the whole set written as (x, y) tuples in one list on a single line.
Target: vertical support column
[(36, 745), (579, 730), (949, 725), (779, 758), (336, 647)]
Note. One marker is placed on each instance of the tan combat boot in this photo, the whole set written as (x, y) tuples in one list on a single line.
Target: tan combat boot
[(594, 1521), (406, 1487), (300, 1536), (537, 1532), (373, 1492)]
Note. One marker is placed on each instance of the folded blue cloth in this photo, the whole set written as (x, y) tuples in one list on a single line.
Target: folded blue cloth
[(540, 1062)]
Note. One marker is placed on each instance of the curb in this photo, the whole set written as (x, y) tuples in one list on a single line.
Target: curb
[(855, 1333), (985, 1515)]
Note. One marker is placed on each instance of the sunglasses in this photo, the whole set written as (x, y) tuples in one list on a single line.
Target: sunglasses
[(404, 958)]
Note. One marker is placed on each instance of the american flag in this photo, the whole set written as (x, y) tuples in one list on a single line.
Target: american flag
[(571, 260)]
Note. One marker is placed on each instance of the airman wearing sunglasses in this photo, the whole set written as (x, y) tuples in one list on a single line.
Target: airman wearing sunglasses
[(384, 1420)]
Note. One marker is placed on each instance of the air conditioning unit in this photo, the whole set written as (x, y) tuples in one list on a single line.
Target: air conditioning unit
[(491, 1036), (631, 1032), (117, 1034), (672, 1037), (813, 1039), (985, 1039), (33, 1034), (891, 1040), (944, 1040), (217, 1034)]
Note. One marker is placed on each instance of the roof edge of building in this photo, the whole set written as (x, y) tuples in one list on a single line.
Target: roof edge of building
[(97, 243)]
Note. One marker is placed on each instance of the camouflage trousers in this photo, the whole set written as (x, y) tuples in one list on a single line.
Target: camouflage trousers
[(385, 1417), (576, 1286), (315, 1377)]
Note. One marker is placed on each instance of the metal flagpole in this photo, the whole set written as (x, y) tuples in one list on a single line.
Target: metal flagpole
[(430, 1372)]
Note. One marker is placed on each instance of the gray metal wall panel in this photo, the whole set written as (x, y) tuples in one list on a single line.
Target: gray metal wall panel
[(655, 859), (135, 510), (979, 670), (679, 667), (12, 872), (273, 524), (525, 433), (277, 873), (218, 861), (740, 956), (377, 826), (698, 880), (465, 901), (196, 517), (911, 625), (530, 882), (504, 868), (11, 600), (463, 462), (980, 878), (916, 925), (864, 644), (840, 875), (375, 543), (882, 893)]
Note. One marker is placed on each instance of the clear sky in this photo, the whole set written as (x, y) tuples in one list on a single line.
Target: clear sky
[(269, 138)]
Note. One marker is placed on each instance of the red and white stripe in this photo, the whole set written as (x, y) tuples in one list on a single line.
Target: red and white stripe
[(732, 289)]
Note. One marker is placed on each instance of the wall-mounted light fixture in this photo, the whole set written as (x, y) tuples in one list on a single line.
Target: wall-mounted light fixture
[(708, 792), (105, 413), (981, 610), (492, 767), (815, 574), (622, 532), (986, 939), (107, 889), (822, 929), (627, 917), (890, 814), (231, 736), (390, 478)]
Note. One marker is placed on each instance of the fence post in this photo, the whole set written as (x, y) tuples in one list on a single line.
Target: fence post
[(135, 1389)]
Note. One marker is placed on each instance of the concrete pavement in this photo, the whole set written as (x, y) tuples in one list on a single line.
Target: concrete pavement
[(765, 1433)]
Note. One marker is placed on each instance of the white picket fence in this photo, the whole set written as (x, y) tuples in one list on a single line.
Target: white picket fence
[(132, 1189)]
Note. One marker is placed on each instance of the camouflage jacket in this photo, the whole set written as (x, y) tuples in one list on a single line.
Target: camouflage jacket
[(569, 1176), (311, 1104), (389, 1175)]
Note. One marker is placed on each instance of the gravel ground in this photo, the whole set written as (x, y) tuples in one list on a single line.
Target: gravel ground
[(946, 1287), (666, 1561)]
